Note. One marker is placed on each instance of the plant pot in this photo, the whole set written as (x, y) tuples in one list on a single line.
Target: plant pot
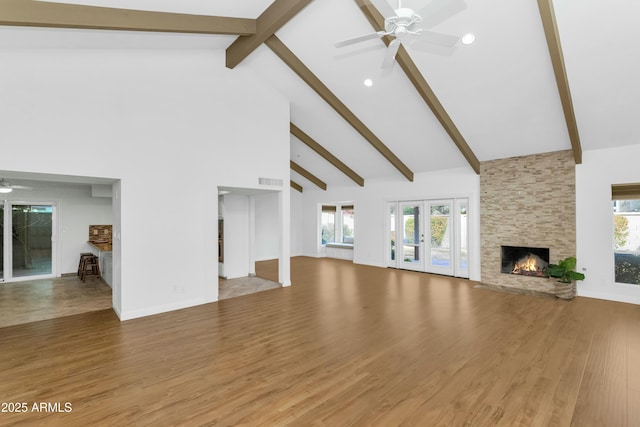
[(565, 290)]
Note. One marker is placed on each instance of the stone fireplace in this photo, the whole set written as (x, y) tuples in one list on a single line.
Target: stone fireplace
[(526, 202)]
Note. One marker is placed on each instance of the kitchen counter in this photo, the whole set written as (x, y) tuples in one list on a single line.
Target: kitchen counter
[(101, 246), (105, 259)]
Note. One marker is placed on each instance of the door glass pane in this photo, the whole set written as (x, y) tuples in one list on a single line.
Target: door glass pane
[(31, 240), (392, 231), (411, 234), (464, 236), (440, 235)]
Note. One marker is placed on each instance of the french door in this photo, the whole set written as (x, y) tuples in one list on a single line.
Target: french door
[(27, 240), (429, 236)]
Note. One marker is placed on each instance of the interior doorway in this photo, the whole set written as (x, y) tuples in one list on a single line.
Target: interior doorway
[(429, 235), (251, 235)]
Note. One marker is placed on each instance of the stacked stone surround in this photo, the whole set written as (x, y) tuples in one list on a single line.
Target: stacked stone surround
[(527, 201)]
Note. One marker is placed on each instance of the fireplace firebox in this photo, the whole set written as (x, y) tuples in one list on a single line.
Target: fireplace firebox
[(524, 261)]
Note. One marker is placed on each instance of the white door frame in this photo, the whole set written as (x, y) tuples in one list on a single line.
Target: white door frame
[(447, 261), (460, 235), (418, 243)]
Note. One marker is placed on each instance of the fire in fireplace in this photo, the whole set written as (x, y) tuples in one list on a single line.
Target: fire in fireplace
[(524, 261)]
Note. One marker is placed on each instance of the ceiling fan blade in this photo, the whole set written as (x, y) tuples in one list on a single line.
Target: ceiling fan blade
[(390, 55), (360, 39), (440, 10), (440, 39)]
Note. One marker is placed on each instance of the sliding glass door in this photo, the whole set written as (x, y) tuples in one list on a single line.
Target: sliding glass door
[(27, 240), (429, 236)]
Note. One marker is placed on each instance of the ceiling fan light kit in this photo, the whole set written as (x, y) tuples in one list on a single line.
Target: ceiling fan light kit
[(404, 27), (468, 38)]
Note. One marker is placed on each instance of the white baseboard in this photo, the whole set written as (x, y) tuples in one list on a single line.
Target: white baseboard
[(150, 311)]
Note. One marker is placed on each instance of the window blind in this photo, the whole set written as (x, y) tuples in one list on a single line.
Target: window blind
[(625, 192)]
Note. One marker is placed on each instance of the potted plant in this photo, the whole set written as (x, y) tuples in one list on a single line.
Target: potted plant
[(564, 270)]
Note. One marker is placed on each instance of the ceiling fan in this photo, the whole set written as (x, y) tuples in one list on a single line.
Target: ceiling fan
[(407, 27), (6, 187)]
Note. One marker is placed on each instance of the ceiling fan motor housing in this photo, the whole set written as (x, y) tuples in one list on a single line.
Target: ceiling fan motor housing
[(405, 21)]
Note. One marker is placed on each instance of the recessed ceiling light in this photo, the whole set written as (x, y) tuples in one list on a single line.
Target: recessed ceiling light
[(368, 82), (468, 38)]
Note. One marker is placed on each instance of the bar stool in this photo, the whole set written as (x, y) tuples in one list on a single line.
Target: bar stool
[(90, 267), (83, 255)]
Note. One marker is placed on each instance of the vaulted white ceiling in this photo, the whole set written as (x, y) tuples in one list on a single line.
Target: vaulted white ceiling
[(500, 92)]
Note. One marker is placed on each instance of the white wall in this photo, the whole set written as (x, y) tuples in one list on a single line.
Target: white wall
[(370, 200), (296, 223), (236, 236), (76, 210), (172, 126), (267, 228), (594, 220)]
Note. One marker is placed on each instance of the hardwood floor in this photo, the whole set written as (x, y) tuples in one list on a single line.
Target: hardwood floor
[(231, 288), (266, 278), (345, 345), (33, 300)]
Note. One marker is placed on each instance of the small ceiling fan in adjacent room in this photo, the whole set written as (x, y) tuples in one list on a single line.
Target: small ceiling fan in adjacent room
[(407, 27), (7, 187)]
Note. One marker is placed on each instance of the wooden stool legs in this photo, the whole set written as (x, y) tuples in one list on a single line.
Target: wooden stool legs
[(83, 255), (89, 266)]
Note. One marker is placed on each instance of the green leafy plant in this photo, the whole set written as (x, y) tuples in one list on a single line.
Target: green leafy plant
[(564, 270), (620, 231)]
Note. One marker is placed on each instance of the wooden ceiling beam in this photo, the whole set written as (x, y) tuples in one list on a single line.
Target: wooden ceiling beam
[(421, 85), (305, 173), (270, 21), (296, 186), (314, 82), (29, 13), (325, 154), (548, 17)]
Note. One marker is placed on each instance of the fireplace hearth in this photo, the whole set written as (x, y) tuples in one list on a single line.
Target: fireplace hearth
[(524, 261)]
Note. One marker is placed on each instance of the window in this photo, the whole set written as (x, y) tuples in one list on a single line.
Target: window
[(626, 233), (328, 221), (347, 224), (337, 224)]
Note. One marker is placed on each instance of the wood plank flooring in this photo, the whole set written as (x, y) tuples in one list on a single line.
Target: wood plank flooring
[(345, 345), (34, 300), (231, 288)]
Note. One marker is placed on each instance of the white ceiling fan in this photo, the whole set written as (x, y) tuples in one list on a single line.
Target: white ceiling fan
[(6, 187), (408, 27)]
